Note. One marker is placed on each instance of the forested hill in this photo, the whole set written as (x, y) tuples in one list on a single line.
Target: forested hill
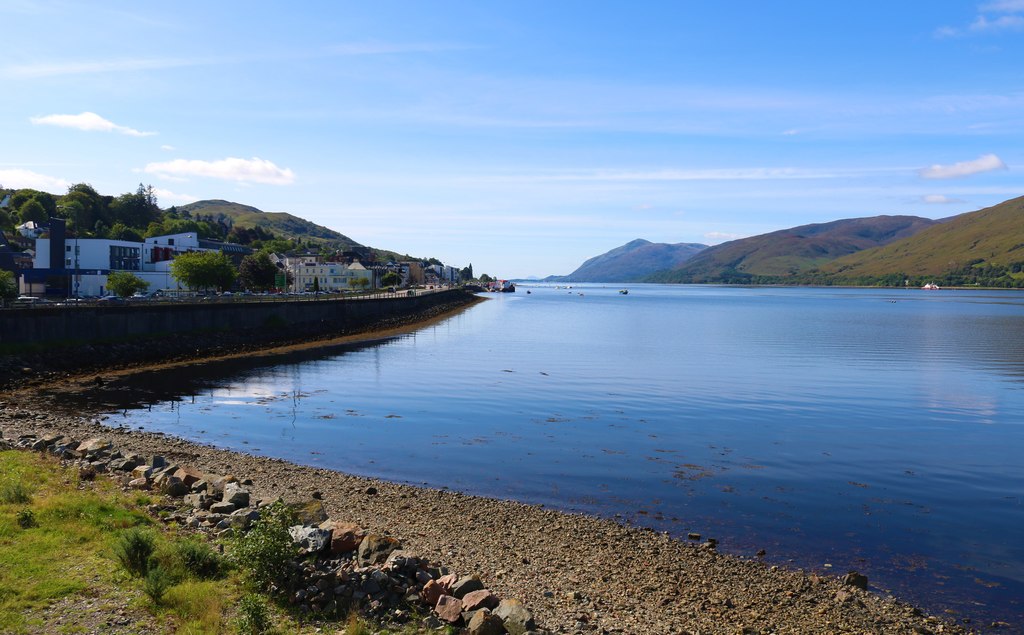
[(631, 262), (787, 255), (282, 224)]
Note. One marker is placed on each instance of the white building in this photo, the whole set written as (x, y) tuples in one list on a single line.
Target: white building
[(328, 276), (88, 261)]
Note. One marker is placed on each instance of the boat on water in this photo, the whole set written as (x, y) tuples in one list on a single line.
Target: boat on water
[(931, 286), (623, 291)]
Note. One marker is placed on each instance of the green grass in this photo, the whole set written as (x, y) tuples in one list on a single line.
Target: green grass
[(68, 553)]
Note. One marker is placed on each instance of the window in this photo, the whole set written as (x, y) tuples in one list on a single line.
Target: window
[(67, 248), (170, 241), (67, 262), (124, 258)]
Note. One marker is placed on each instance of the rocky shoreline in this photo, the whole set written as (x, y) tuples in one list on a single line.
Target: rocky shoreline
[(577, 574)]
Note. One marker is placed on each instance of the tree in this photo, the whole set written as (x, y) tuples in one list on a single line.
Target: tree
[(33, 210), (120, 231), (391, 279), (125, 283), (8, 285), (485, 278), (257, 272), (316, 284), (203, 270), (467, 272)]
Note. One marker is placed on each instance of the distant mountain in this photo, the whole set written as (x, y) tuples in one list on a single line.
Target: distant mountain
[(631, 262), (982, 247), (283, 225), (788, 253)]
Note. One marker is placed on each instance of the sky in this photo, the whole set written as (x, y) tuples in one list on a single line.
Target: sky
[(523, 137)]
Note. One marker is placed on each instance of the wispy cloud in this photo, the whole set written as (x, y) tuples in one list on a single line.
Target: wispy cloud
[(88, 121), (20, 178), (714, 174), (993, 17), (940, 199), (167, 195), (984, 163), (254, 170), (92, 67), (167, 148), (721, 237)]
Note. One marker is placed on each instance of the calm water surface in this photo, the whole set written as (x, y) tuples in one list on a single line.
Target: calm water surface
[(836, 429)]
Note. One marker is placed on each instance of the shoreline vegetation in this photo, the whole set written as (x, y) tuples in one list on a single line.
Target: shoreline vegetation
[(576, 573)]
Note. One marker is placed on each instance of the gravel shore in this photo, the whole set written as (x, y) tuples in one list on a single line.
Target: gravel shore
[(578, 574)]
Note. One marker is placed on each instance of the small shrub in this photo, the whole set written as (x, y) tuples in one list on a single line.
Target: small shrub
[(16, 493), (134, 549), (158, 580), (198, 559), (253, 615), (265, 550), (143, 500), (26, 519), (356, 626)]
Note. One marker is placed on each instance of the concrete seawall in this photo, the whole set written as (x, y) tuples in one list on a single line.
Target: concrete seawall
[(65, 339)]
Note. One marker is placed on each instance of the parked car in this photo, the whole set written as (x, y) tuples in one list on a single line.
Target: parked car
[(111, 299)]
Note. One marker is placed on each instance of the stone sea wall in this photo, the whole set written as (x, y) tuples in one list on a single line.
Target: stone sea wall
[(40, 340)]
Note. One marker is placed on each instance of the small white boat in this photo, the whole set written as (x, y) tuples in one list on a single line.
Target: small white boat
[(931, 286)]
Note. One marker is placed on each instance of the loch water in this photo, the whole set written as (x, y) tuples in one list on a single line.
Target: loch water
[(837, 429)]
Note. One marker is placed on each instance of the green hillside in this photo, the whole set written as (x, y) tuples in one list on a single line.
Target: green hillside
[(784, 255), (984, 247), (282, 224), (631, 262)]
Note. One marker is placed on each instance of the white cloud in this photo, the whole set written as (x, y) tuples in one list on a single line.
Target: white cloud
[(1004, 6), (985, 163), (167, 148), (254, 170), (940, 199), (88, 121), (19, 178), (721, 237), (1002, 23), (167, 195)]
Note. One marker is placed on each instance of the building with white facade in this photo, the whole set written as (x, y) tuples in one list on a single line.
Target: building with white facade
[(310, 272)]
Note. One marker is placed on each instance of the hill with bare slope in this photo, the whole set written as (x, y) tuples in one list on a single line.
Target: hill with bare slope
[(785, 255)]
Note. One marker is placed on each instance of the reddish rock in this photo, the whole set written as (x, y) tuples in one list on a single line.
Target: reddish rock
[(448, 581), (482, 599), (189, 476), (431, 593), (449, 609), (345, 537)]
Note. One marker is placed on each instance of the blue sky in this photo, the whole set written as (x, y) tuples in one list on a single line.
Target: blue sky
[(523, 137)]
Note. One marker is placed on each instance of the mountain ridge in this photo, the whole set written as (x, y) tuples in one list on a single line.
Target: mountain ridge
[(631, 262)]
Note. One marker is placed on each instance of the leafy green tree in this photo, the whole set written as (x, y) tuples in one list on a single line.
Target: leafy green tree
[(120, 231), (257, 271), (316, 284), (33, 210), (125, 283), (391, 279), (204, 270), (8, 285), (485, 278), (92, 207)]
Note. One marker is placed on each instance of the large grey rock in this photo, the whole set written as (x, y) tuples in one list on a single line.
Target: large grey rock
[(173, 486), (236, 495), (222, 508), (484, 622), (375, 549), (517, 618), (312, 539)]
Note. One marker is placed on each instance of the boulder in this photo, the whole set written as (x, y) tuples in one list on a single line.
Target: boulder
[(311, 512), (312, 539), (139, 483), (222, 508), (375, 549), (236, 495), (142, 471), (94, 445), (173, 486), (345, 537), (466, 584), (482, 599), (447, 582), (484, 622), (449, 609), (431, 593), (856, 579), (157, 462), (517, 618), (189, 476)]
